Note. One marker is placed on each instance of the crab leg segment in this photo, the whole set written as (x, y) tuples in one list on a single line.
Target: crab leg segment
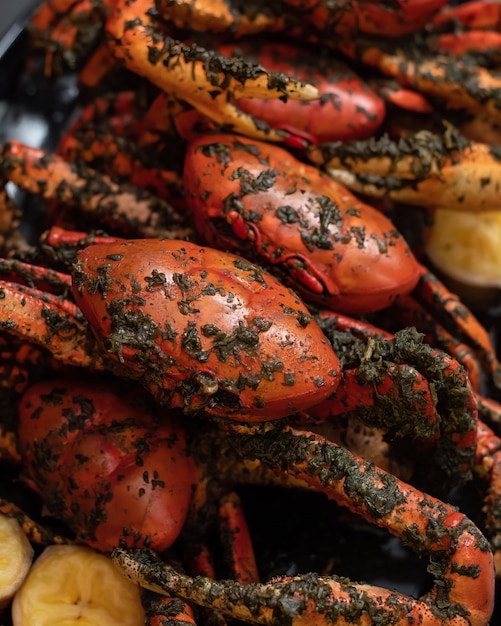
[(488, 462), (118, 157), (448, 307), (34, 531), (462, 561), (477, 14), (446, 78), (34, 315), (428, 170), (409, 312), (206, 80), (117, 206), (411, 388), (48, 14), (223, 16), (34, 276), (119, 113), (165, 611), (236, 539)]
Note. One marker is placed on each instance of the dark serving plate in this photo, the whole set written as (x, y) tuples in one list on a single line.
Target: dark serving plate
[(293, 532)]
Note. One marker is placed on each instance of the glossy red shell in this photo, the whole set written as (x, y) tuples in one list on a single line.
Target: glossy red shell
[(257, 199), (348, 108), (203, 329), (107, 468), (396, 18), (352, 17)]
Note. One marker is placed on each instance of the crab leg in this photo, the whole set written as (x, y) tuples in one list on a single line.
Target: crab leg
[(117, 206), (467, 341), (435, 402), (34, 531), (161, 119), (463, 563), (447, 306), (119, 113), (459, 439), (206, 80), (9, 219), (411, 313), (450, 80), (68, 31), (118, 157), (27, 313), (477, 14), (238, 556), (73, 36), (48, 14), (472, 26), (488, 462), (490, 410), (221, 16), (161, 610), (433, 295), (237, 542), (476, 43), (98, 66), (43, 278), (446, 172)]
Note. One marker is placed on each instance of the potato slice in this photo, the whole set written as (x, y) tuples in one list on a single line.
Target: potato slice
[(71, 584), (467, 246), (16, 557)]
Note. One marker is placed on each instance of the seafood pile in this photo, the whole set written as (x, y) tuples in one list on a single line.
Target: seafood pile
[(220, 299)]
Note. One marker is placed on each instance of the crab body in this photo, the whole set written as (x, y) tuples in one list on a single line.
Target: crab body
[(204, 329), (260, 200), (109, 469)]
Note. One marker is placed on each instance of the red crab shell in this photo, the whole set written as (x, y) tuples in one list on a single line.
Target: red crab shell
[(348, 109), (106, 468), (340, 252), (204, 329)]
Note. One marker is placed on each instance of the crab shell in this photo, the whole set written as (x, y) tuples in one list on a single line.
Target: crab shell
[(104, 465), (347, 109), (336, 250), (204, 329)]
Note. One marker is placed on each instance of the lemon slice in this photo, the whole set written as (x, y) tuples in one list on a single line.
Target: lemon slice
[(74, 585), (467, 246), (16, 556)]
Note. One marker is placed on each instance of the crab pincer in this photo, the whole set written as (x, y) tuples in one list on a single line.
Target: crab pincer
[(462, 561), (207, 80)]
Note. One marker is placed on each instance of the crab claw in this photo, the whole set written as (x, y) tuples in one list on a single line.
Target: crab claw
[(207, 80)]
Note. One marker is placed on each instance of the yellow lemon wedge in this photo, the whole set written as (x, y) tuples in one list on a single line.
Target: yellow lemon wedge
[(467, 246), (74, 585), (16, 556)]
